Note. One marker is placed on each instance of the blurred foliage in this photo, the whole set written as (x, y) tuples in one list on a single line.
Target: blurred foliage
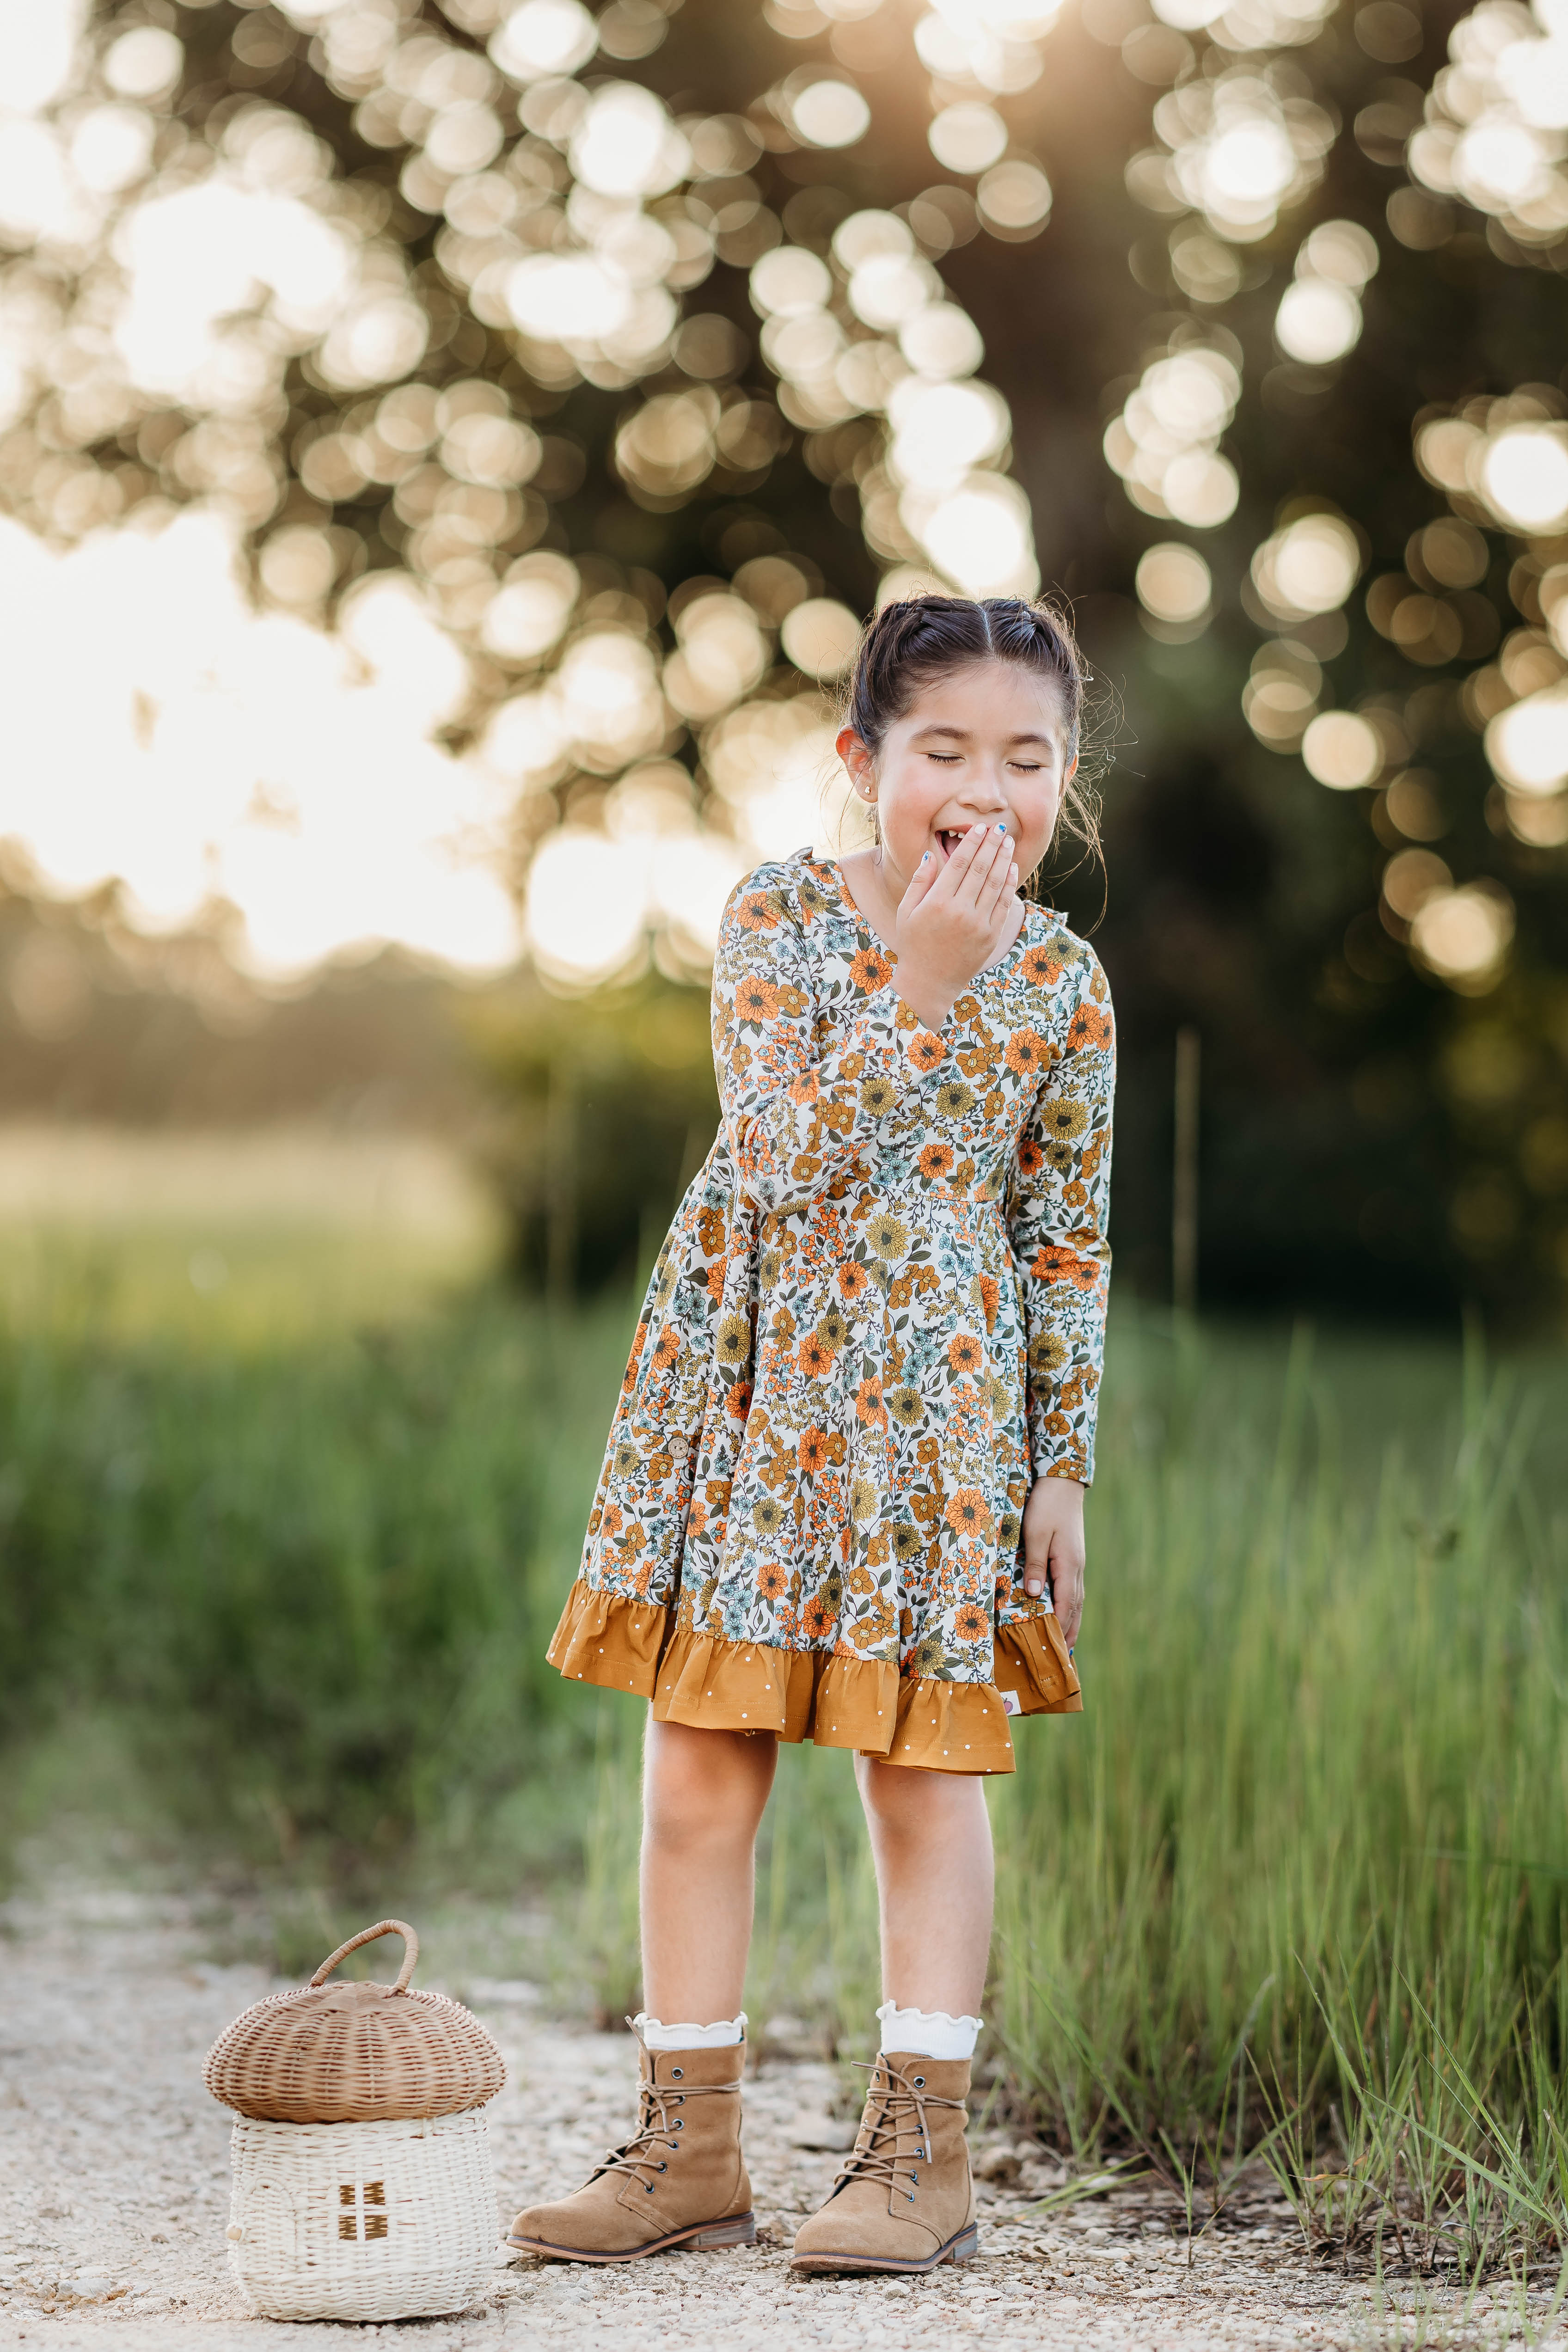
[(306, 1589), (609, 1110), (1375, 1138)]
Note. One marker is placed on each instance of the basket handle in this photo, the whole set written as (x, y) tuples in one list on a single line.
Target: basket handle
[(368, 1935)]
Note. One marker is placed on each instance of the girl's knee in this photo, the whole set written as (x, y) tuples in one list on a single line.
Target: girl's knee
[(704, 1787), (901, 1801)]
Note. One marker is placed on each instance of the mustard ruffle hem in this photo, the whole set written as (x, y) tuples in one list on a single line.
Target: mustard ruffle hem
[(930, 1725)]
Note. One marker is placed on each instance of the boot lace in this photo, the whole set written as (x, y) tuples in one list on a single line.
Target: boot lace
[(896, 2104), (657, 2128)]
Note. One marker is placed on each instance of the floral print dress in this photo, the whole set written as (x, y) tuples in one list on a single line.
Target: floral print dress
[(879, 1315)]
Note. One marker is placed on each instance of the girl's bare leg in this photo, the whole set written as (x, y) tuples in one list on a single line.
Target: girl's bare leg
[(931, 1838), (703, 1795)]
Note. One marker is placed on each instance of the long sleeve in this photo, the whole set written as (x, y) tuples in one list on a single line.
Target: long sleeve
[(797, 1110), (1058, 1206)]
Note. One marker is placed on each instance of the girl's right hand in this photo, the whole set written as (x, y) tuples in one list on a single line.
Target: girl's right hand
[(952, 919)]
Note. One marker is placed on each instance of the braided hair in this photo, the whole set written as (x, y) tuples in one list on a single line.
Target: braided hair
[(909, 644)]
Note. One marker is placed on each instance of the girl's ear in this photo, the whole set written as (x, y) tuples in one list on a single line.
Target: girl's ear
[(852, 750)]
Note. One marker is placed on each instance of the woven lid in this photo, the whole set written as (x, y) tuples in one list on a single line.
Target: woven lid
[(354, 2053)]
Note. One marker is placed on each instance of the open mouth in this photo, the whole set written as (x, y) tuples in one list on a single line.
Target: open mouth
[(948, 841)]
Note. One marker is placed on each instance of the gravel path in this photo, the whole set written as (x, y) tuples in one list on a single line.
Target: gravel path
[(114, 2196)]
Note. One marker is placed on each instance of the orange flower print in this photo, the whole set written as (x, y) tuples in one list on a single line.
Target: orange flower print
[(1027, 1053), (816, 1358), (868, 971), (755, 913), (756, 999), (964, 1354), (852, 1279), (1087, 1027), (969, 1513), (926, 1050), (990, 1298), (629, 1379), (970, 1624), (1053, 1264), (1029, 1155), (667, 1348), (771, 1582), (738, 1404), (817, 1618), (1041, 967), (935, 1162), (869, 1405), (812, 1453)]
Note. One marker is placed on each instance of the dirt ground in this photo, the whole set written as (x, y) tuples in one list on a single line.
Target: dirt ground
[(115, 2198)]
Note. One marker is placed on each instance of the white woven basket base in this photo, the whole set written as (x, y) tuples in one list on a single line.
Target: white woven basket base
[(362, 2221)]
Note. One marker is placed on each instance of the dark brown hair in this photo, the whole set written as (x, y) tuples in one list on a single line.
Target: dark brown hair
[(909, 644)]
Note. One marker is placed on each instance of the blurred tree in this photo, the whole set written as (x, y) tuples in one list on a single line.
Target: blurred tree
[(646, 345), (613, 1110)]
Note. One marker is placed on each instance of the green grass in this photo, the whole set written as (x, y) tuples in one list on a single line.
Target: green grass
[(1295, 1881), (1303, 1867)]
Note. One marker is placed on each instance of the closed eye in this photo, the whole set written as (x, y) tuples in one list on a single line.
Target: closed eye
[(953, 758)]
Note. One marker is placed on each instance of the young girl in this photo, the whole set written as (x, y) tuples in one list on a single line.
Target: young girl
[(842, 1498)]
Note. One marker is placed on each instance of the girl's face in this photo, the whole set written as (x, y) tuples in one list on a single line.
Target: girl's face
[(981, 745)]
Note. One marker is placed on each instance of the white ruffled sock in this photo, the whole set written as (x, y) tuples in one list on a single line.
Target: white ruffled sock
[(722, 2036), (926, 2032)]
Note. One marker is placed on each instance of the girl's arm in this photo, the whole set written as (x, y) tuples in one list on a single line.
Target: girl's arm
[(1057, 1207), (797, 1113)]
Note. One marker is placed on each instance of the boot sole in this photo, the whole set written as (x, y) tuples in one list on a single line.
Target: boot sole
[(702, 2238), (961, 2248)]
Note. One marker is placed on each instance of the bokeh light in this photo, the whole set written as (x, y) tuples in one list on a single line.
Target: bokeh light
[(1528, 743), (1309, 567), (1464, 937), (819, 634), (1317, 321), (1495, 119), (587, 905), (1343, 751), (1166, 442), (829, 113), (1524, 477), (573, 217), (968, 137), (1173, 582)]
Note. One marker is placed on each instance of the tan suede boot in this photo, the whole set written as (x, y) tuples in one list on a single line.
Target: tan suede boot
[(904, 2199), (680, 2181)]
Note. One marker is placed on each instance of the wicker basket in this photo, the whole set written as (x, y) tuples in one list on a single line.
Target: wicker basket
[(390, 2220), (354, 2053), (363, 2188)]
